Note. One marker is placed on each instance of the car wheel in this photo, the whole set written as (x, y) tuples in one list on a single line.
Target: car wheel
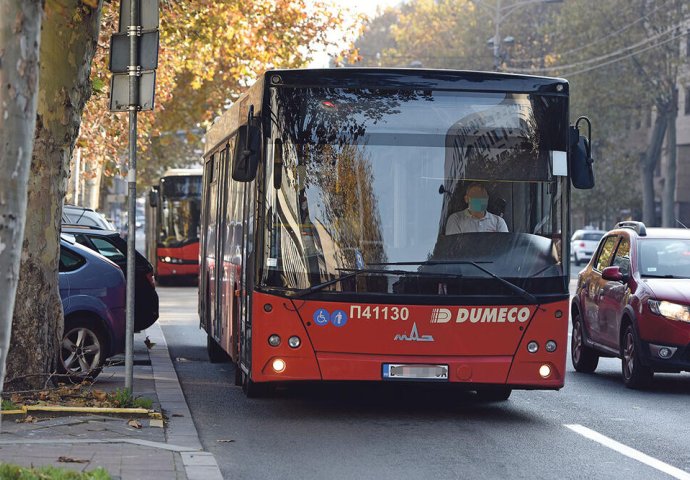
[(584, 358), (577, 261), (215, 353), (82, 351), (494, 394), (635, 375)]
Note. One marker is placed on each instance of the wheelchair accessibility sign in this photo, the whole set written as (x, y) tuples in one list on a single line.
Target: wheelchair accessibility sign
[(323, 317)]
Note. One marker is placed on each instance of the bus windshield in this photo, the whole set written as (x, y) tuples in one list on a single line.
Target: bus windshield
[(369, 178), (180, 198)]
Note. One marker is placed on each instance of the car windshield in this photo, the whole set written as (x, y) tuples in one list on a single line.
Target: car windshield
[(592, 237), (664, 258), (86, 217), (369, 179)]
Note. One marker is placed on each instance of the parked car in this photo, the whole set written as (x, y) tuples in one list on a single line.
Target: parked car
[(75, 215), (583, 243), (92, 289), (633, 302), (112, 246)]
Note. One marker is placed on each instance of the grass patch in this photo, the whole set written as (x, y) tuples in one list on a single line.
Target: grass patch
[(124, 399), (9, 405), (15, 472)]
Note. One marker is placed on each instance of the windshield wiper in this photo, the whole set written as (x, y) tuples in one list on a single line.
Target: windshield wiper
[(354, 272), (651, 275), (511, 286)]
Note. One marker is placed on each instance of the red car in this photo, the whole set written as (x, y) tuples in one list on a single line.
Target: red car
[(633, 302)]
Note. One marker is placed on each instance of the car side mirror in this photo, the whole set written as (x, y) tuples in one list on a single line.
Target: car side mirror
[(614, 274), (580, 157), (277, 164)]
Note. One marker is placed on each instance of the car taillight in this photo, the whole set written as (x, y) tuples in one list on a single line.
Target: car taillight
[(149, 277), (582, 244)]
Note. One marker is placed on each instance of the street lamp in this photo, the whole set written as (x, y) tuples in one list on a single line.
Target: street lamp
[(499, 13)]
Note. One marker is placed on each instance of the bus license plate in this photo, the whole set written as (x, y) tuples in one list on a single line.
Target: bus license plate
[(395, 371)]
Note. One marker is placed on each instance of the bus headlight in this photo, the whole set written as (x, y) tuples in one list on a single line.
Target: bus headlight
[(171, 260), (545, 371), (279, 365)]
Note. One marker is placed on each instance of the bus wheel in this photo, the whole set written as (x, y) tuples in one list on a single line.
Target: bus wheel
[(215, 353), (494, 394), (238, 375), (252, 389)]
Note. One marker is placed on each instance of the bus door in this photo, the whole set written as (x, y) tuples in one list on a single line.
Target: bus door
[(219, 266), (247, 271), (226, 332), (210, 245)]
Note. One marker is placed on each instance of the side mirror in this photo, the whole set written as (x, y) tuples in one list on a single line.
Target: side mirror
[(277, 164), (247, 150), (613, 274), (153, 197), (580, 157)]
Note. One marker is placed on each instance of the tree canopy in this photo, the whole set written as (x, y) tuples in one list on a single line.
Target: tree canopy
[(210, 51)]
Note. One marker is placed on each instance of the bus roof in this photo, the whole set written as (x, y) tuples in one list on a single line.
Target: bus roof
[(392, 78), (417, 78), (180, 172)]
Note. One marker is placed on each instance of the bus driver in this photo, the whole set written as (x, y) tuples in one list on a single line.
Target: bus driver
[(475, 218)]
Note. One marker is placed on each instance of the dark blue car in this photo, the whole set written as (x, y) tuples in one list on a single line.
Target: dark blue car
[(92, 290)]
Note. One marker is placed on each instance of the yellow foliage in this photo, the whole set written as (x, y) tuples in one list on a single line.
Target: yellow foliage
[(210, 51)]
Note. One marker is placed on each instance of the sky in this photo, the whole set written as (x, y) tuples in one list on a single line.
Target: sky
[(368, 7)]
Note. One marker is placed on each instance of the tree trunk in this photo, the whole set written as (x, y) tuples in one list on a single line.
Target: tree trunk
[(648, 164), (20, 33), (70, 31), (668, 204)]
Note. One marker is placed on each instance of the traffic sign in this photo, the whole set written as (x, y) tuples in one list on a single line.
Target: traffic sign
[(119, 91), (147, 51), (148, 15)]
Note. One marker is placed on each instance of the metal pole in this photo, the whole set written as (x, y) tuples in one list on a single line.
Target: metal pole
[(77, 176), (134, 70), (497, 37)]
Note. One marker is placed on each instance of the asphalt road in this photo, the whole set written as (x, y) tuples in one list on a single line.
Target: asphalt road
[(593, 428)]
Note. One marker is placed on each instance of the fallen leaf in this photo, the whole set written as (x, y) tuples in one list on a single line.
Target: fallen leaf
[(224, 441), (134, 424), (71, 460), (27, 419), (149, 344), (177, 415), (100, 395), (43, 395)]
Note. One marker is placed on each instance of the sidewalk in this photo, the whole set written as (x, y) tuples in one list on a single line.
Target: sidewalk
[(168, 449)]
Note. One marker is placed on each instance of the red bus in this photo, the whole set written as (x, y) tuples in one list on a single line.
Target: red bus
[(172, 225), (326, 253)]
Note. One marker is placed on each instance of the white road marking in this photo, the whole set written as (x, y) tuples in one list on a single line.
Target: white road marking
[(629, 452)]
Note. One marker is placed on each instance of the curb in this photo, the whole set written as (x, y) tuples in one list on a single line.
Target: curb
[(199, 465)]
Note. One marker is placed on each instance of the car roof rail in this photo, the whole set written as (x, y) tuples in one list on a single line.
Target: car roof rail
[(639, 227), (82, 226)]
